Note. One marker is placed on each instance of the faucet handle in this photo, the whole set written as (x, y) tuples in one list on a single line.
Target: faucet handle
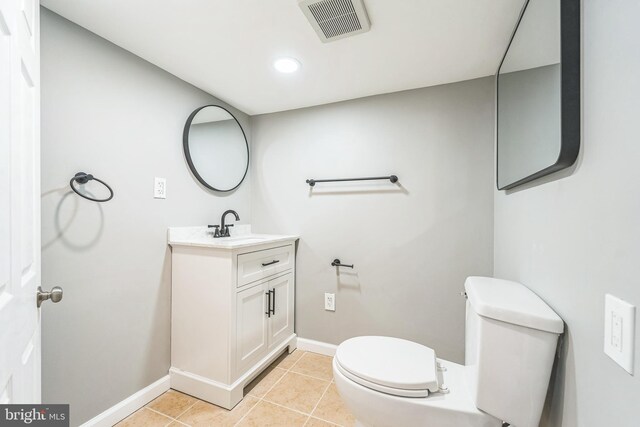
[(225, 232), (216, 234)]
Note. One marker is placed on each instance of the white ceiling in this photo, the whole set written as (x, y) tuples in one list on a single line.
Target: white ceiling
[(537, 42), (227, 47)]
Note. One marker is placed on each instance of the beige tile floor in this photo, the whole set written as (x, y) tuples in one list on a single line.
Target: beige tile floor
[(296, 390)]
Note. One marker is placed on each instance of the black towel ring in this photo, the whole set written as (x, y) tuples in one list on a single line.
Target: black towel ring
[(83, 178)]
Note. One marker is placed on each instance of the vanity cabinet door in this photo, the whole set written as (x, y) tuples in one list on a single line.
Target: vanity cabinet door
[(251, 324), (281, 321)]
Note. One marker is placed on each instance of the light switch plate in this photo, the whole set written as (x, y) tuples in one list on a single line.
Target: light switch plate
[(160, 188), (330, 302), (619, 331)]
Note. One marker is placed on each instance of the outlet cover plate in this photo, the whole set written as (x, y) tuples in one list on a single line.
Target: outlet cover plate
[(329, 301), (619, 331), (159, 188)]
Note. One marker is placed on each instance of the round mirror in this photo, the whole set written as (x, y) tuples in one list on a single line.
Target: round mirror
[(216, 148)]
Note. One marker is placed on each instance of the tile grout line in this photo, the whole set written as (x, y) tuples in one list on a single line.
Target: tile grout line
[(185, 411), (158, 412), (249, 411), (321, 397), (309, 415), (319, 400), (277, 381), (169, 416), (261, 399), (291, 371), (311, 376), (324, 421), (286, 407), (280, 379), (296, 362), (307, 375)]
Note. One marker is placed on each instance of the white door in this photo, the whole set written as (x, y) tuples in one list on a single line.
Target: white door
[(251, 324), (281, 321), (19, 201)]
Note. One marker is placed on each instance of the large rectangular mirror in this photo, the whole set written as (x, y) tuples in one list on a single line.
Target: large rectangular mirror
[(538, 93)]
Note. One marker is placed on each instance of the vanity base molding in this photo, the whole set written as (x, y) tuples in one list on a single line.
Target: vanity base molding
[(225, 395)]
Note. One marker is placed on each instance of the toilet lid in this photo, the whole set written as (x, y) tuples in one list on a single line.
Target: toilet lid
[(398, 366)]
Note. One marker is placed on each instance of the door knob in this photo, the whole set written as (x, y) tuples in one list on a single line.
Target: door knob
[(55, 295)]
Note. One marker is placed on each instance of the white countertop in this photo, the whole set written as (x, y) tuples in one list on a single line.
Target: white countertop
[(241, 237)]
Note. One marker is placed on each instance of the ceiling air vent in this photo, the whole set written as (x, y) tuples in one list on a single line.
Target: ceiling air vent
[(336, 19)]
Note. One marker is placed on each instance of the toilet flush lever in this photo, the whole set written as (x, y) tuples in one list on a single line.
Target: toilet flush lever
[(464, 294)]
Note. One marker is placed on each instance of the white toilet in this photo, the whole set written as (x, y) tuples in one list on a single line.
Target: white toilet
[(510, 344)]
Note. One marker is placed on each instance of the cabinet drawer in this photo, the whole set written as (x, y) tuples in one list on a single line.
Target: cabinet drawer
[(261, 264)]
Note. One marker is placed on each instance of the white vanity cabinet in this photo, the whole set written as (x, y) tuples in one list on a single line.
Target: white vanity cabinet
[(232, 312)]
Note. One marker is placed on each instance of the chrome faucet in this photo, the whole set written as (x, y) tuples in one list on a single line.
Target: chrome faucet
[(224, 229)]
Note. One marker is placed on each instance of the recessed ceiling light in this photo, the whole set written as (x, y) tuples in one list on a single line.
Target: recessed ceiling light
[(286, 65)]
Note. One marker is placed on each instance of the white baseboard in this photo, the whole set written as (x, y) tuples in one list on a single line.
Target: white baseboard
[(129, 405), (317, 346)]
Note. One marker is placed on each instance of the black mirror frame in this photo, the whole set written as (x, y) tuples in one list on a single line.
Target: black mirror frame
[(569, 92), (187, 153)]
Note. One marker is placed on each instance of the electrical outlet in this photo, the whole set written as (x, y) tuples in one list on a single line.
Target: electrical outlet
[(330, 302), (160, 188), (619, 331)]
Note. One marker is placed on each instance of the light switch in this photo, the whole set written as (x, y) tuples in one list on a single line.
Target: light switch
[(160, 188), (619, 331)]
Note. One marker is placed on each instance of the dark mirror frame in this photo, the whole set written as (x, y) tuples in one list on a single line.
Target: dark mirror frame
[(569, 96), (187, 153)]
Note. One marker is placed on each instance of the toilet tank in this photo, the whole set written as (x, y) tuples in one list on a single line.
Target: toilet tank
[(510, 345)]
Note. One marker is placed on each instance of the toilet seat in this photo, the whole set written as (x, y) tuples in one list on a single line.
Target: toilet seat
[(389, 365), (381, 388)]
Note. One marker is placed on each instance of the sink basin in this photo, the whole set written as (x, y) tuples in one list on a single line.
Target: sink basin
[(241, 239), (203, 237)]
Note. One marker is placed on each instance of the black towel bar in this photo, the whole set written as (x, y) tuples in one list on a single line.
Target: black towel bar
[(392, 178)]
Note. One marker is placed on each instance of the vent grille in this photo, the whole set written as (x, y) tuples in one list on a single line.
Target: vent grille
[(335, 19)]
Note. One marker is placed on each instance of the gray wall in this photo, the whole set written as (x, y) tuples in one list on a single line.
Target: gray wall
[(574, 239), (108, 112), (412, 245)]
